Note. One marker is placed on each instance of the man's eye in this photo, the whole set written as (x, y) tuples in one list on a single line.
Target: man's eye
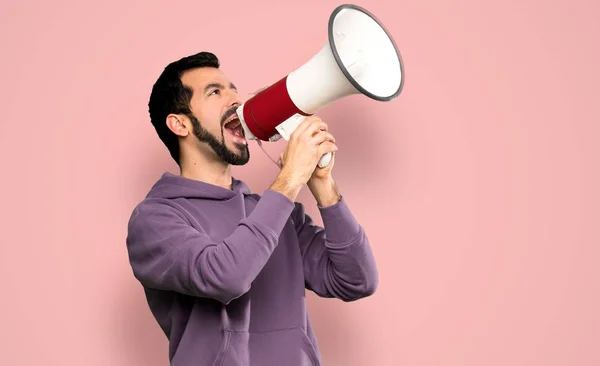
[(214, 91)]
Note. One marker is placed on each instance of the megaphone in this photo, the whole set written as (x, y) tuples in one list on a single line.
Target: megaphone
[(360, 57)]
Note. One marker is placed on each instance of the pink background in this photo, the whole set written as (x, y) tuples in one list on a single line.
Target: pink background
[(478, 186)]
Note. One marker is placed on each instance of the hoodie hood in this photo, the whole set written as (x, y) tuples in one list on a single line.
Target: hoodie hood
[(171, 186)]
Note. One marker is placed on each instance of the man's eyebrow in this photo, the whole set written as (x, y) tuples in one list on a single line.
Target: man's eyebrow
[(218, 86), (213, 85)]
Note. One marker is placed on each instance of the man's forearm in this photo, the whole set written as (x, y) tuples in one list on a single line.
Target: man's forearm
[(325, 192)]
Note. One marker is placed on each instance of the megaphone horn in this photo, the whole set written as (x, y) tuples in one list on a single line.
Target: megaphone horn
[(360, 57)]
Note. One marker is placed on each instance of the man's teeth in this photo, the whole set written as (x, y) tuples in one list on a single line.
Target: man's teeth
[(233, 123)]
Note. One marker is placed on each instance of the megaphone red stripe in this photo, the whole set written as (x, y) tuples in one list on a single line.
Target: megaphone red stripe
[(271, 106)]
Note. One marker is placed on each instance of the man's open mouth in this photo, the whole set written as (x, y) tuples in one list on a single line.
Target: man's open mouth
[(234, 127)]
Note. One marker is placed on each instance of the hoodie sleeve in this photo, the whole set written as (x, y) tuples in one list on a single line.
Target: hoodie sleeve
[(337, 258), (166, 252)]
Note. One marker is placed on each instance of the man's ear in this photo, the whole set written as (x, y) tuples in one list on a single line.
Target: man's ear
[(178, 124)]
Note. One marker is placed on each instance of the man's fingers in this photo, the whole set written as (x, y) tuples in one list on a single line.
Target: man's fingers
[(326, 147), (321, 137), (314, 128), (309, 127)]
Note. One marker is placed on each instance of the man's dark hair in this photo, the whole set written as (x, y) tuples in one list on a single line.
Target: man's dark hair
[(170, 95)]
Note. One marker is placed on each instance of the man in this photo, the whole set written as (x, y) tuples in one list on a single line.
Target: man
[(225, 270)]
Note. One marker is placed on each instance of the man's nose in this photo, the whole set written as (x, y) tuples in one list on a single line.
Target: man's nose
[(234, 98)]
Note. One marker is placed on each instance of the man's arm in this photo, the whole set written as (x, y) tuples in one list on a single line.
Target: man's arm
[(167, 253), (337, 258)]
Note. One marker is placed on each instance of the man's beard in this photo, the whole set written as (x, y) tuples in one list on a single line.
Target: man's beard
[(219, 147)]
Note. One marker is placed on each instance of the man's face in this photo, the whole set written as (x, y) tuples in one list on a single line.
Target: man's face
[(214, 120)]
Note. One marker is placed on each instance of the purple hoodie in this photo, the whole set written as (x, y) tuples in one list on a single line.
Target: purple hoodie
[(225, 271)]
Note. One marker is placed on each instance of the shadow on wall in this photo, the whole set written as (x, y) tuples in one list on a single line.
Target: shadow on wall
[(137, 337), (340, 337), (359, 128)]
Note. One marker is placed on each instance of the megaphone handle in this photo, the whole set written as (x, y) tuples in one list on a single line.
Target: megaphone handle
[(288, 126), (325, 160)]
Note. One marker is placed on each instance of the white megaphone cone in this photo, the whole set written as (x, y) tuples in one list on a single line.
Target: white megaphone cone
[(360, 57)]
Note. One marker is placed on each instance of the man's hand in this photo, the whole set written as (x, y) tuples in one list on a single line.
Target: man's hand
[(321, 183), (309, 141)]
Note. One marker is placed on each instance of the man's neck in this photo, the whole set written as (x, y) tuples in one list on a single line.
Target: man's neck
[(210, 171)]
